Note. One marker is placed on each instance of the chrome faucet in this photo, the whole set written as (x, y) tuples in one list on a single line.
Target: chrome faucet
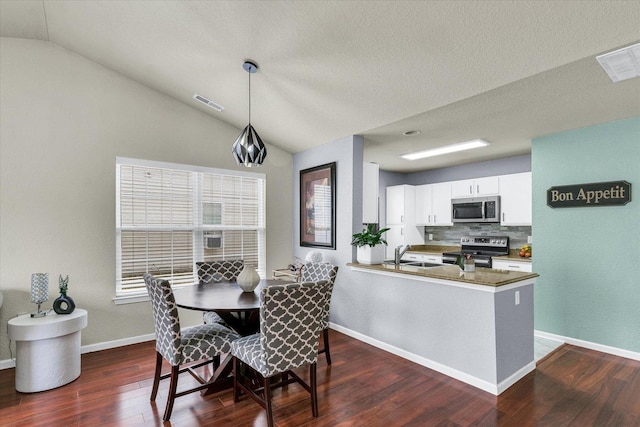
[(400, 250)]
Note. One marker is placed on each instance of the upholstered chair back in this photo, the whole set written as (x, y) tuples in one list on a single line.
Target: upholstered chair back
[(290, 318), (217, 271), (167, 321), (314, 272)]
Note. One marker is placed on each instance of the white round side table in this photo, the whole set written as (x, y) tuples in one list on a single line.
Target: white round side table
[(47, 349)]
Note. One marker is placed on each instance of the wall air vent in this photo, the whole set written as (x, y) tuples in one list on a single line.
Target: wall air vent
[(208, 102), (621, 64)]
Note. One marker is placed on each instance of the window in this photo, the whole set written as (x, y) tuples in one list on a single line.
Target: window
[(170, 216)]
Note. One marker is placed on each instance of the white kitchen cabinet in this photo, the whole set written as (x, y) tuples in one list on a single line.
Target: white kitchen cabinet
[(394, 237), (423, 204), (441, 204), (370, 188), (515, 199), (433, 204), (400, 204), (413, 256), (501, 264), (478, 187), (401, 219)]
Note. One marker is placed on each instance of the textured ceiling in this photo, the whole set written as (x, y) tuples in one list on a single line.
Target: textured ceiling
[(456, 70)]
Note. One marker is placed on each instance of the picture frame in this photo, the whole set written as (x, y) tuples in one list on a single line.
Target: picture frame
[(318, 206)]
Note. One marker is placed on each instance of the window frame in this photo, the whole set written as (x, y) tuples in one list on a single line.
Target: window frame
[(198, 229)]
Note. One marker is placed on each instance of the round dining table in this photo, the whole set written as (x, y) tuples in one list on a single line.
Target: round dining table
[(240, 311), (237, 308)]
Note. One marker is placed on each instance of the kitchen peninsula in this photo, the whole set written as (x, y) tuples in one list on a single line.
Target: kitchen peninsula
[(475, 327)]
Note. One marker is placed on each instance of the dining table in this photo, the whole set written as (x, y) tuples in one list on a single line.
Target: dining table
[(240, 310)]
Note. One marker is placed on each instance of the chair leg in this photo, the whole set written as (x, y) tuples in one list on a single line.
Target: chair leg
[(314, 390), (236, 372), (173, 385), (156, 376), (267, 401), (327, 353)]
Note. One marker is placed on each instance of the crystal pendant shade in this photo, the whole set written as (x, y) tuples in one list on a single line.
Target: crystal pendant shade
[(248, 148)]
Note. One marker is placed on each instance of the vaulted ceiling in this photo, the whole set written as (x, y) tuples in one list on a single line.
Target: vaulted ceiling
[(504, 71)]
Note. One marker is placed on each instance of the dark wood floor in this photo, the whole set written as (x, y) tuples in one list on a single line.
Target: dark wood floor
[(365, 386)]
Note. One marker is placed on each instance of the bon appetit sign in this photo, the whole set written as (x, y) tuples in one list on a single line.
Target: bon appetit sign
[(587, 195)]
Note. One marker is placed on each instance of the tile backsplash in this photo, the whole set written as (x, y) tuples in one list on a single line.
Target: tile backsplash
[(450, 236)]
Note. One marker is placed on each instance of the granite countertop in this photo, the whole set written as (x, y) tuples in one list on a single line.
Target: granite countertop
[(513, 256), (437, 249), (482, 276)]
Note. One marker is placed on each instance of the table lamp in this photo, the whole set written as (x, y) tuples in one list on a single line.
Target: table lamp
[(39, 291)]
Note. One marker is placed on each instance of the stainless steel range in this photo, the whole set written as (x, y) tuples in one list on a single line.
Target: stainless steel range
[(482, 248)]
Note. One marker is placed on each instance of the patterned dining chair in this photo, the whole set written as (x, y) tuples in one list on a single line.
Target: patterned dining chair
[(313, 272), (217, 271), (290, 319), (180, 347)]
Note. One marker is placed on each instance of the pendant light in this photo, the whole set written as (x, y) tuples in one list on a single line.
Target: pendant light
[(248, 148)]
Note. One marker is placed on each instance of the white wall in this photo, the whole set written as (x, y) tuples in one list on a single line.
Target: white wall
[(64, 121)]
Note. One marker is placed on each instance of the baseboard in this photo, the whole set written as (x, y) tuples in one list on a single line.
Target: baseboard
[(10, 363), (7, 364), (116, 343), (516, 376), (590, 345), (494, 389)]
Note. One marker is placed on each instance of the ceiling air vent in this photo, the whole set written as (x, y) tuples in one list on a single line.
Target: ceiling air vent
[(621, 64), (208, 102)]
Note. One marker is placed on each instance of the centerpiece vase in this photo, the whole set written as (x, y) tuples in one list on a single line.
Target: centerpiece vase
[(64, 304), (248, 279)]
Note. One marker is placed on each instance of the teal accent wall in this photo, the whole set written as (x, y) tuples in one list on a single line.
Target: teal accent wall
[(588, 258)]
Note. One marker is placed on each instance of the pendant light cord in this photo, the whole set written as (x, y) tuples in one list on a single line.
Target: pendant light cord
[(249, 97)]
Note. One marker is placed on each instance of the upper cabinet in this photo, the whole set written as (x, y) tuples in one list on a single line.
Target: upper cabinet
[(515, 199), (401, 219), (370, 182), (488, 186), (433, 201), (423, 204), (400, 204), (433, 204)]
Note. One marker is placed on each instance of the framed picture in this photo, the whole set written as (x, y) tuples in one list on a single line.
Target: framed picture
[(318, 206)]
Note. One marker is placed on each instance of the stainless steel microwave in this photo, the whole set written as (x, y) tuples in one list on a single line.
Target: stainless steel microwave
[(476, 209)]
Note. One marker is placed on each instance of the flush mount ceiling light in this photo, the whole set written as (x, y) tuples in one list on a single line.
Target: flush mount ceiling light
[(248, 148), (411, 132), (621, 64), (468, 145)]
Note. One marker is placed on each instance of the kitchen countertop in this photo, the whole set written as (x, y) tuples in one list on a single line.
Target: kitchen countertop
[(482, 276), (439, 250), (513, 256)]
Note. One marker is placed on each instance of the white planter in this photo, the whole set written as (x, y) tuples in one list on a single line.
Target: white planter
[(370, 255)]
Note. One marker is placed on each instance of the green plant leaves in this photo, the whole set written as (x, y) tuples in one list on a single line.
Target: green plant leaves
[(369, 237)]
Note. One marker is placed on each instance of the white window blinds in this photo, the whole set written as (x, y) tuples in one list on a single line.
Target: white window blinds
[(170, 216)]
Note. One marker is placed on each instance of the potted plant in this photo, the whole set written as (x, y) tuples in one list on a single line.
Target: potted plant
[(370, 245)]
